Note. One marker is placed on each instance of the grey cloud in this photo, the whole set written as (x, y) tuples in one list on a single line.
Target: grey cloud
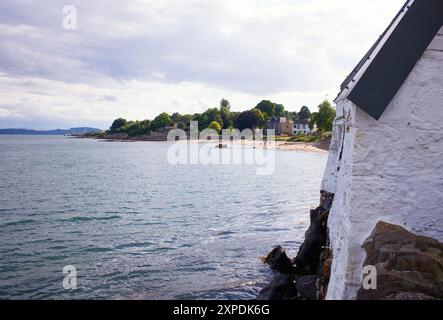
[(182, 41), (109, 98)]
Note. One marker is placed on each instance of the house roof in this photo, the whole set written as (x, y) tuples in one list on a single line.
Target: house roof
[(301, 121), (379, 75)]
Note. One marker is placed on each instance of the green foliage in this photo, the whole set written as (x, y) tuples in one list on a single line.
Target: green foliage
[(117, 124), (267, 108), (304, 113), (206, 118), (176, 117), (226, 114), (138, 128), (225, 104), (215, 126), (324, 118), (132, 128), (161, 121), (250, 119), (223, 118), (279, 110), (292, 115), (313, 120)]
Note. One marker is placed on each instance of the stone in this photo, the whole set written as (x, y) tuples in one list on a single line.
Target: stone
[(282, 287), (408, 266), (279, 261), (308, 258), (307, 287)]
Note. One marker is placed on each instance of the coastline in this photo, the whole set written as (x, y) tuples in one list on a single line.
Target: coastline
[(286, 146), (321, 147)]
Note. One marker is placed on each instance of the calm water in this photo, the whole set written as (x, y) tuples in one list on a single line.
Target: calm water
[(136, 227)]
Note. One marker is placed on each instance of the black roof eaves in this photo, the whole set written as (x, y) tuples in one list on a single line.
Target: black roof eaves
[(368, 56), (395, 60)]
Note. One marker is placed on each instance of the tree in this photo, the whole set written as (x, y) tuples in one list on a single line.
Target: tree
[(206, 117), (176, 117), (292, 116), (313, 120), (161, 121), (324, 118), (279, 110), (225, 113), (225, 104), (251, 119), (117, 124), (215, 126), (267, 108), (304, 113), (137, 128), (219, 120), (186, 119)]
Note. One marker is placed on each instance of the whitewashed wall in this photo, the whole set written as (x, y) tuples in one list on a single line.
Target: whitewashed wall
[(391, 170)]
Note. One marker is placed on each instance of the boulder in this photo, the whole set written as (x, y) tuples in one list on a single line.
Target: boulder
[(308, 258), (409, 267), (279, 261), (282, 287), (307, 287)]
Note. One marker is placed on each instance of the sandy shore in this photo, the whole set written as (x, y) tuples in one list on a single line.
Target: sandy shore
[(288, 146), (279, 145)]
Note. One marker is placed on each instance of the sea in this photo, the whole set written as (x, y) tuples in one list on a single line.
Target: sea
[(88, 219)]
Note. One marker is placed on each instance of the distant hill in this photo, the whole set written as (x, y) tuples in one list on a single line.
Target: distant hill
[(72, 131)]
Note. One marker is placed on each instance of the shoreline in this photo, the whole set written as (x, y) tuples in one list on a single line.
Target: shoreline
[(313, 147)]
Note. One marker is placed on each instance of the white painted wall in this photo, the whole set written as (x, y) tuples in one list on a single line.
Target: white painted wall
[(391, 170)]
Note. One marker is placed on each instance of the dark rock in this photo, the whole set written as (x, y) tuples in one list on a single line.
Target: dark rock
[(307, 287), (326, 200), (409, 296), (408, 266), (279, 261), (282, 287), (308, 258), (312, 265)]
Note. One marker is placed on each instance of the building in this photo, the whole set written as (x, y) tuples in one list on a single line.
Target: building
[(301, 127), (281, 125), (386, 156)]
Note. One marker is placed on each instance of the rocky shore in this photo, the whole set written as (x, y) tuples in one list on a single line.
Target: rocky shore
[(305, 277), (408, 266)]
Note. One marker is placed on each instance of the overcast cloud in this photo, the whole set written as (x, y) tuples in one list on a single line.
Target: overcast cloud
[(136, 59)]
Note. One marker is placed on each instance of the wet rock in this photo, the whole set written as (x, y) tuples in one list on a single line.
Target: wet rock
[(307, 287), (311, 268), (282, 287), (279, 261), (408, 266), (308, 258)]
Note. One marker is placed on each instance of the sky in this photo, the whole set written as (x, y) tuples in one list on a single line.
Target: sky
[(94, 61)]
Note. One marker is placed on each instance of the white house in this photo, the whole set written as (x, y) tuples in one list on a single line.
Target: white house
[(301, 127), (386, 157)]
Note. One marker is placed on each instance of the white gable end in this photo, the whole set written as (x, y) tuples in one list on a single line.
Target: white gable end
[(389, 170)]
